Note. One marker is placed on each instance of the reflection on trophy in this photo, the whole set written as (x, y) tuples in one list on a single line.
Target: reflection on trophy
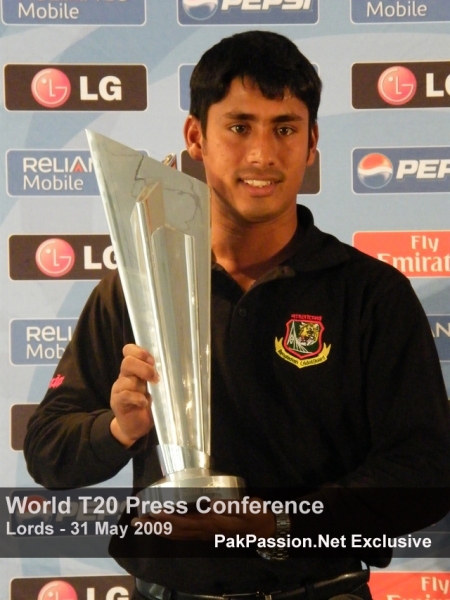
[(159, 221)]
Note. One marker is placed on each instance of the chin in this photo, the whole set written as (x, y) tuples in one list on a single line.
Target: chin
[(254, 217)]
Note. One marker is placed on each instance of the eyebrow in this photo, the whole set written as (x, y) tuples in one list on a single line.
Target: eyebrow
[(241, 116)]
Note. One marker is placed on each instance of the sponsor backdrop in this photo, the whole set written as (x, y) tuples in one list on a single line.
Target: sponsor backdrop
[(121, 67)]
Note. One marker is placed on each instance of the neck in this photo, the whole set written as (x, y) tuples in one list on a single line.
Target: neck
[(247, 251)]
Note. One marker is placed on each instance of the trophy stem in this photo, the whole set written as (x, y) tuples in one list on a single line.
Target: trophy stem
[(195, 349), (154, 259), (139, 220), (179, 458)]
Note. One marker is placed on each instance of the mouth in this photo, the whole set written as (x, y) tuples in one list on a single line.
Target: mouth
[(258, 183)]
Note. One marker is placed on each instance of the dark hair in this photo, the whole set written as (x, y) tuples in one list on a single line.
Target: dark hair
[(269, 59)]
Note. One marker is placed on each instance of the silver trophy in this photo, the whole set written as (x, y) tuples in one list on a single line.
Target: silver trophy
[(159, 221)]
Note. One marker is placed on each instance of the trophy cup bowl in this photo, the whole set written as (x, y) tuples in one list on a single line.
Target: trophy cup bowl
[(159, 221)]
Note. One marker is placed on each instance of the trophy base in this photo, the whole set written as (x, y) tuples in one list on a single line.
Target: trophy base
[(188, 486)]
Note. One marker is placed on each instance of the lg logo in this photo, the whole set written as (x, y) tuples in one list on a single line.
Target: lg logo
[(397, 85), (51, 88), (432, 92), (61, 590), (55, 257), (33, 257), (115, 593), (109, 88), (410, 85), (108, 587), (76, 87), (57, 590)]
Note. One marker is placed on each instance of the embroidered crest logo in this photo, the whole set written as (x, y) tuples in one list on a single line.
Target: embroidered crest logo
[(302, 345)]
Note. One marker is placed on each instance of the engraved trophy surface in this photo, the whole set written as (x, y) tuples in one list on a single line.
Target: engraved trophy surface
[(159, 221)]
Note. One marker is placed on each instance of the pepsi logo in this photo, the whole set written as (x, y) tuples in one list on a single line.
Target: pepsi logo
[(401, 170), (34, 511), (375, 170), (397, 85), (200, 10), (247, 12)]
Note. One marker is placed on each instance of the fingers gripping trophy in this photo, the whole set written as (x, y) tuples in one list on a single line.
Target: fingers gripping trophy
[(159, 221)]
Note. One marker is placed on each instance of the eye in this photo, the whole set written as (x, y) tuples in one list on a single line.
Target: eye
[(238, 128), (285, 131)]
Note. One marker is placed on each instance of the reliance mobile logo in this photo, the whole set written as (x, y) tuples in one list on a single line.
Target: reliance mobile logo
[(399, 11), (75, 87), (415, 170), (50, 173), (247, 12), (440, 328), (401, 85), (414, 253), (39, 341), (87, 12)]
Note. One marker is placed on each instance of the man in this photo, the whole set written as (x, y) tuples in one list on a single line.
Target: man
[(325, 375)]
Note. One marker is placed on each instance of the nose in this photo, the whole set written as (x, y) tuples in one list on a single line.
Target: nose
[(261, 148)]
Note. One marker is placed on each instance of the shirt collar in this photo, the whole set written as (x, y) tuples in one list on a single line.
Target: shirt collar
[(314, 249)]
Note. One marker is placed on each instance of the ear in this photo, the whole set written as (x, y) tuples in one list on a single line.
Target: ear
[(313, 139), (193, 137)]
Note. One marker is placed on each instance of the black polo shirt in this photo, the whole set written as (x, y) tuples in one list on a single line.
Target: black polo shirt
[(325, 380)]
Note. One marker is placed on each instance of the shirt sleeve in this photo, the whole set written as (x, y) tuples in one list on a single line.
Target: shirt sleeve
[(68, 442)]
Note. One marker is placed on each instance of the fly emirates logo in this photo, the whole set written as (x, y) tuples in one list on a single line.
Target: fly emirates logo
[(414, 253), (418, 585)]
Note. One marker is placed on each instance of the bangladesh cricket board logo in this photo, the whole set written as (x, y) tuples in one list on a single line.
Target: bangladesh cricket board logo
[(302, 345)]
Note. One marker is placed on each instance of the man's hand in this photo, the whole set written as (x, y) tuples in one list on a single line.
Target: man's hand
[(130, 400), (196, 526)]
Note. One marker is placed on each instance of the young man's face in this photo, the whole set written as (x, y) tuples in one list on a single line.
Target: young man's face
[(255, 153)]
